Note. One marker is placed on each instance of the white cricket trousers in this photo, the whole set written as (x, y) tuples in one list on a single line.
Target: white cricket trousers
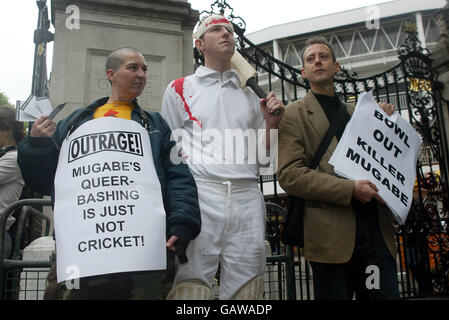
[(232, 233)]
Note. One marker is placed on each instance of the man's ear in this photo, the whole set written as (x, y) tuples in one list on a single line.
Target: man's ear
[(199, 45), (303, 74), (337, 67), (111, 75)]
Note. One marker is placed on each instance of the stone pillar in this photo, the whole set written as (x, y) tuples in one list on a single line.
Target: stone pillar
[(440, 64), (160, 29), (420, 29)]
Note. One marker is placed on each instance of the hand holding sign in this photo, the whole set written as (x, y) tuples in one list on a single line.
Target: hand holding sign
[(44, 125), (382, 149), (365, 191), (43, 128), (387, 108), (35, 107)]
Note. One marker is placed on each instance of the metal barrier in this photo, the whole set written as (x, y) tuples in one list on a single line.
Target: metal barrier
[(287, 275), (17, 274), (418, 262), (279, 270), (296, 282), (10, 268)]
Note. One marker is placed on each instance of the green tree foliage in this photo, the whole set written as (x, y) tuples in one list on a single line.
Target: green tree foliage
[(4, 100)]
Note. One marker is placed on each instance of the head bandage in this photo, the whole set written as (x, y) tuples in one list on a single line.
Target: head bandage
[(209, 22)]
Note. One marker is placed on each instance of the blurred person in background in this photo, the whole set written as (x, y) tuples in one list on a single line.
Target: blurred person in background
[(11, 181)]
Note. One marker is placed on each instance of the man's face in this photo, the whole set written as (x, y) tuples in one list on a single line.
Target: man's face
[(217, 41), (319, 67), (130, 78)]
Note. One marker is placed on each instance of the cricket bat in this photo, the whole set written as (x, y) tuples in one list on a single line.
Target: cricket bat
[(247, 75)]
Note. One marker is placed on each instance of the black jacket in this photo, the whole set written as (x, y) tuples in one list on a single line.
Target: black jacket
[(38, 159)]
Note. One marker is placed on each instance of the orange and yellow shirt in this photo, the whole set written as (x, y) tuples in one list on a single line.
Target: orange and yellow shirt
[(116, 109)]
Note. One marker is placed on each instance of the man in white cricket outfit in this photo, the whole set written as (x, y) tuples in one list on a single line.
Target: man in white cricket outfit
[(210, 103)]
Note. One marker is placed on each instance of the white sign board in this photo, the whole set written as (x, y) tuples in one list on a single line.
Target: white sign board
[(109, 214), (33, 108), (380, 148)]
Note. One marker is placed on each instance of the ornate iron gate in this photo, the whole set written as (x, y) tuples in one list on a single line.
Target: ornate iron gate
[(423, 242)]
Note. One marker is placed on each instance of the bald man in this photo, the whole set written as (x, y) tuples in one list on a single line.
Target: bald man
[(39, 157)]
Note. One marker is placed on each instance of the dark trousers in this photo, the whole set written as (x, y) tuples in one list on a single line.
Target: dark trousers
[(370, 274), (143, 285)]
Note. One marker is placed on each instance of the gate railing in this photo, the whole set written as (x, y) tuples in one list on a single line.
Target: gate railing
[(10, 269)]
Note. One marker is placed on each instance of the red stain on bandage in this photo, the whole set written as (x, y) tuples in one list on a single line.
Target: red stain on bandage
[(224, 20), (179, 89)]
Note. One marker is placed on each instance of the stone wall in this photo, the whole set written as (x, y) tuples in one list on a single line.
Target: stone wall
[(161, 30)]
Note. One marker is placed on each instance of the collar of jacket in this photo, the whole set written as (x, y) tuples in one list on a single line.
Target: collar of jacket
[(311, 102), (316, 113)]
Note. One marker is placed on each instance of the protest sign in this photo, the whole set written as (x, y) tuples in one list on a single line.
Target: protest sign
[(109, 215), (32, 108), (44, 105), (380, 148)]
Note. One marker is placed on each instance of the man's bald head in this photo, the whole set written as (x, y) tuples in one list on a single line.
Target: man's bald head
[(116, 58), (126, 71)]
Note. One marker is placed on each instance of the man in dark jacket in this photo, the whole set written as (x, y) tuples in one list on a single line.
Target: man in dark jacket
[(38, 157)]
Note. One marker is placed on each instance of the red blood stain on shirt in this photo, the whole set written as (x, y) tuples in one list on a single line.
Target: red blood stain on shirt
[(111, 113), (224, 20), (179, 89)]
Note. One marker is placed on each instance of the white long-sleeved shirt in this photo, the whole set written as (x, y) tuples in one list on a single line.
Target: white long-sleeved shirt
[(11, 183), (212, 113)]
